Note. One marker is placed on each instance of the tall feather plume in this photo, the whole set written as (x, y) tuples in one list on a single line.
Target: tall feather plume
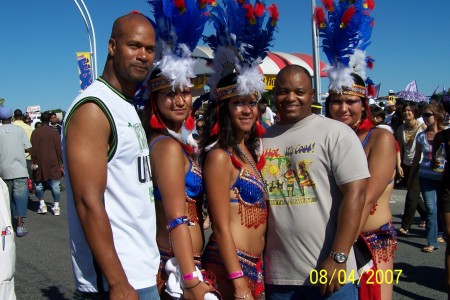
[(180, 24), (345, 29), (241, 41)]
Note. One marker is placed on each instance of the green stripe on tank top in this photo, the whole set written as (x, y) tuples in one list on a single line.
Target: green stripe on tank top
[(113, 139), (102, 80)]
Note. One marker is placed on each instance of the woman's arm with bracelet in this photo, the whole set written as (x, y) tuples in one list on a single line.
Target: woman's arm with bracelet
[(168, 169)]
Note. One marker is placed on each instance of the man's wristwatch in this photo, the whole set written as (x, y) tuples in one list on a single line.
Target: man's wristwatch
[(340, 258)]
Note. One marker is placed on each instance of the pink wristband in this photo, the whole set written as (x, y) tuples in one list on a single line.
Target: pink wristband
[(237, 274), (190, 276)]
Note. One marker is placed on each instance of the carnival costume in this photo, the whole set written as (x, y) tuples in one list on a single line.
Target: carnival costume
[(179, 26), (243, 34), (345, 30)]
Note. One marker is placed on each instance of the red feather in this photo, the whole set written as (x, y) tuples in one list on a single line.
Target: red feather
[(371, 90), (259, 9), (261, 162), (235, 162), (181, 5), (348, 15), (328, 4), (370, 4), (319, 16), (215, 129), (188, 148), (366, 125), (189, 123), (370, 64), (155, 123), (249, 14), (274, 13), (260, 131)]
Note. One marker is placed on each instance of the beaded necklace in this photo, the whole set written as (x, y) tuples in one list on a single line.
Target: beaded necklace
[(257, 173)]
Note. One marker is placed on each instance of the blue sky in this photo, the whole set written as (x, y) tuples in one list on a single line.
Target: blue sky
[(410, 41)]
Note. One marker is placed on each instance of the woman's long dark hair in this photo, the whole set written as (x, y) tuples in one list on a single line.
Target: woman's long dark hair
[(218, 111)]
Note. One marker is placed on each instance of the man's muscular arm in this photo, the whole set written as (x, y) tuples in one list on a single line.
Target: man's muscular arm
[(87, 148)]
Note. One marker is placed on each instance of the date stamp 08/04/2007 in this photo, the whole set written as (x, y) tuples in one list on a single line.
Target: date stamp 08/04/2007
[(341, 276)]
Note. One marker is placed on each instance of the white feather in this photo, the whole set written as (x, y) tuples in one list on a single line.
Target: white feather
[(179, 70)]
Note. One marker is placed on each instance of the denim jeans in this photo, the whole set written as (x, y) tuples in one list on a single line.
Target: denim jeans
[(150, 293), (431, 191), (53, 185), (295, 292), (18, 193)]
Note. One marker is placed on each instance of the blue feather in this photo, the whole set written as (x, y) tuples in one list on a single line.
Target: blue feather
[(175, 27), (340, 43)]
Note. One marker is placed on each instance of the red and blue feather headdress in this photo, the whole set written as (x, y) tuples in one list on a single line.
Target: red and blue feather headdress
[(179, 27), (345, 27), (244, 33)]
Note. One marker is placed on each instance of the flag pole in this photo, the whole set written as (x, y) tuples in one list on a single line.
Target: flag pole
[(316, 56)]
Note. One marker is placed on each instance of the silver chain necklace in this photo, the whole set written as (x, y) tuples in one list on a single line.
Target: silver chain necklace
[(257, 173)]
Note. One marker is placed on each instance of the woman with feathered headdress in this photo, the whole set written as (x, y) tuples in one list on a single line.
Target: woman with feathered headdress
[(177, 179), (231, 144), (346, 29)]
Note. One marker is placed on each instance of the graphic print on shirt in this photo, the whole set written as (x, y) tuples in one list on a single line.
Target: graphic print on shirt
[(143, 170), (140, 135), (288, 181)]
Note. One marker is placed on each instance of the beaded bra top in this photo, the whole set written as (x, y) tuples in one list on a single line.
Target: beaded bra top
[(192, 179), (249, 187), (251, 196)]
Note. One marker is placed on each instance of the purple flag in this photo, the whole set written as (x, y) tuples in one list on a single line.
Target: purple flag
[(411, 87)]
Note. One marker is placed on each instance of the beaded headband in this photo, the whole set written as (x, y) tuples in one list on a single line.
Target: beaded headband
[(354, 90), (159, 83)]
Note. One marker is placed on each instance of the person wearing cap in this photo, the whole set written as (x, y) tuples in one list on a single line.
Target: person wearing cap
[(13, 168), (111, 215), (390, 107)]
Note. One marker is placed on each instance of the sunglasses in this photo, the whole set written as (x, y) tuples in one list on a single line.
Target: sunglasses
[(427, 115)]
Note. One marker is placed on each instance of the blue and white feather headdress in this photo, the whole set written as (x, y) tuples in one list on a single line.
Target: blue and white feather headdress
[(179, 27), (244, 33), (345, 27)]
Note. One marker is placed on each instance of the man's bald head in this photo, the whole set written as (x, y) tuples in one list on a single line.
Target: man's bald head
[(289, 69), (130, 20), (131, 52)]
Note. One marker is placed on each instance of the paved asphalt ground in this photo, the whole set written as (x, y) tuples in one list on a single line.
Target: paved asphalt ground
[(43, 267)]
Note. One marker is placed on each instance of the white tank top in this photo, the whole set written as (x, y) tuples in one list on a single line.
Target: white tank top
[(127, 198)]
